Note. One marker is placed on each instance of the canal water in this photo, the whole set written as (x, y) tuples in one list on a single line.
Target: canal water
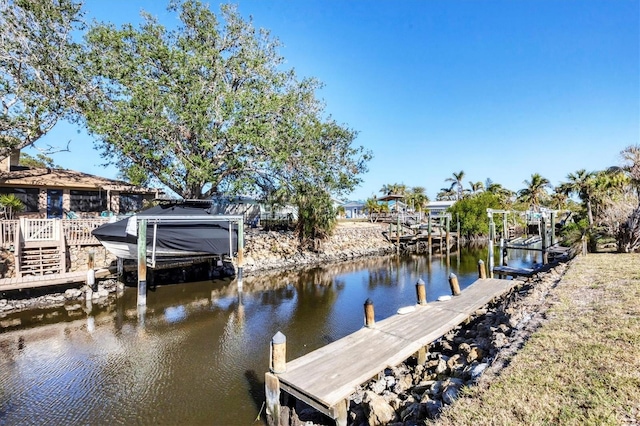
[(199, 353)]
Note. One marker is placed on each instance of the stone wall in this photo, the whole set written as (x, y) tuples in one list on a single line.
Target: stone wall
[(79, 255), (281, 249)]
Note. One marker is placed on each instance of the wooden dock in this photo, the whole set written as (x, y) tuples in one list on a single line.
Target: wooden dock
[(326, 377), (33, 281)]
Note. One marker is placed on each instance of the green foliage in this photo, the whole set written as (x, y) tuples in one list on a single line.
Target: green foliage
[(373, 206), (316, 216), (39, 161), (535, 194), (572, 233), (472, 212), (11, 205), (209, 109), (42, 77)]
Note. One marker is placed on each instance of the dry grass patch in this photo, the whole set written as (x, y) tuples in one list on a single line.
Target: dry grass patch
[(582, 366)]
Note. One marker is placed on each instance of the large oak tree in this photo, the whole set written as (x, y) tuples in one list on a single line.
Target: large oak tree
[(209, 108), (41, 73)]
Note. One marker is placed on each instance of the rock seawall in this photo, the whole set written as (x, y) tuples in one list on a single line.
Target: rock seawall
[(281, 249)]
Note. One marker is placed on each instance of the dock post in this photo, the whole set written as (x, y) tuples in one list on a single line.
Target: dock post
[(398, 235), (543, 234), (278, 353), (421, 293), (142, 262), (440, 233), (553, 227), (272, 391), (482, 272), (492, 230), (240, 251), (429, 242), (453, 282), (120, 269), (277, 365), (458, 234), (369, 315), (91, 273), (447, 221)]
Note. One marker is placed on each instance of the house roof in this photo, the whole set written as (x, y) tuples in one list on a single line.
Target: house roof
[(60, 178)]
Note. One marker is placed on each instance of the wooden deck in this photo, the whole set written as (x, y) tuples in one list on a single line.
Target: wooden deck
[(327, 376), (33, 281)]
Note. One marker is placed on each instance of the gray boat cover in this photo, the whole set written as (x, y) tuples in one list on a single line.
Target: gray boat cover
[(192, 235)]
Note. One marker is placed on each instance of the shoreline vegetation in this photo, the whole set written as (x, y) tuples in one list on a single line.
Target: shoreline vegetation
[(581, 366)]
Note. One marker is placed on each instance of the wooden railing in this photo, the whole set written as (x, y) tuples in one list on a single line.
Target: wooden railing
[(78, 231), (8, 233), (39, 230), (75, 231)]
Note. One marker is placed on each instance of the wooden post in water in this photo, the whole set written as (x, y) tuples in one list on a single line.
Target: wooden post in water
[(447, 221), (429, 242), (453, 283), (482, 272), (421, 293), (543, 234), (91, 273), (369, 315), (240, 250), (277, 365), (120, 268), (398, 234), (441, 234), (142, 262), (278, 353), (458, 234)]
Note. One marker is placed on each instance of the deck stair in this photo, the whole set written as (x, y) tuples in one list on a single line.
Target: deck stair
[(40, 248)]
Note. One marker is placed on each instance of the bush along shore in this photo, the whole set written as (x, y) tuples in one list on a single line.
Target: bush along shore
[(264, 251), (412, 393)]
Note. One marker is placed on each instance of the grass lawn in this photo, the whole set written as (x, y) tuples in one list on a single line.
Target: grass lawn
[(582, 366)]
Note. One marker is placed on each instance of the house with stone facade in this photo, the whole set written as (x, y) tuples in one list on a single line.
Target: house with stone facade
[(65, 194)]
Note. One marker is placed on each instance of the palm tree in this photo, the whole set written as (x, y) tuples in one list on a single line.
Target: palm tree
[(418, 195), (558, 199), (394, 188), (446, 194), (583, 184), (476, 187), (372, 205), (456, 182), (503, 193), (535, 192)]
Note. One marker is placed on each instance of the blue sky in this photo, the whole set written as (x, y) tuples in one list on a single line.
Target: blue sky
[(499, 89)]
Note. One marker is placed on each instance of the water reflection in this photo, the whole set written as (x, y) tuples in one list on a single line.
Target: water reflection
[(198, 352)]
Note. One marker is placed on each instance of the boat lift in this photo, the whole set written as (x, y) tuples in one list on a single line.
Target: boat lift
[(142, 224), (547, 241)]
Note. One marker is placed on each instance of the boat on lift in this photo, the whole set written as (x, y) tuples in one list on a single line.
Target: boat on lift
[(175, 229)]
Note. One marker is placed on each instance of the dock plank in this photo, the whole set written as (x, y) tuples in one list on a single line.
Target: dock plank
[(33, 281), (328, 375)]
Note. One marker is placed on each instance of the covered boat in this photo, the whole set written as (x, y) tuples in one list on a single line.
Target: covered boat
[(174, 229)]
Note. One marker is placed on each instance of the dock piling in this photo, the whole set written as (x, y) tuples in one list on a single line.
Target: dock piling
[(482, 271), (453, 282), (142, 262), (421, 293), (278, 353), (369, 314)]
